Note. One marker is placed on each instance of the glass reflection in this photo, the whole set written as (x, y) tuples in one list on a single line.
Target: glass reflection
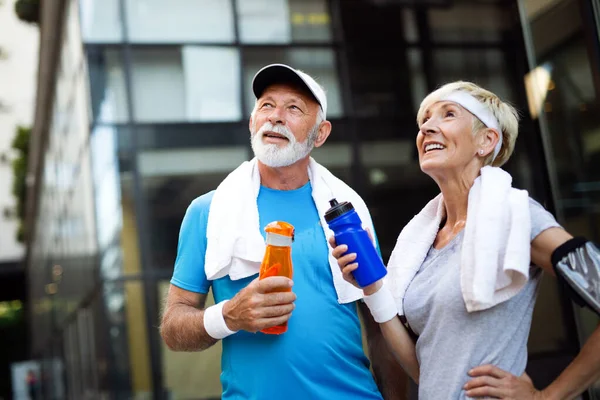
[(177, 21)]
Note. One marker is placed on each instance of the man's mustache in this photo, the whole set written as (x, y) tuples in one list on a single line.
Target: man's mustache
[(279, 129)]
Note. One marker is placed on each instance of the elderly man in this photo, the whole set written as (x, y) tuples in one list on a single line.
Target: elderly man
[(221, 245)]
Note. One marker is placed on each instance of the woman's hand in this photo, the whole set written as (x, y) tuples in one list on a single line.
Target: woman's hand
[(345, 261), (347, 266), (491, 381)]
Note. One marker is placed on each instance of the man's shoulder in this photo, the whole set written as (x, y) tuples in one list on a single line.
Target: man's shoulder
[(201, 204)]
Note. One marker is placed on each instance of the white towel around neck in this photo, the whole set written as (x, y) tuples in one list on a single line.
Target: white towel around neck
[(495, 254), (235, 246)]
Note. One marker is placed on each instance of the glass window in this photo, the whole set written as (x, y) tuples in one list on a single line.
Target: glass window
[(53, 372), (469, 22), (107, 85), (89, 363), (212, 82), (264, 21), (409, 22), (486, 67), (310, 21), (101, 21), (418, 83), (158, 85), (107, 177), (179, 21), (283, 21), (168, 163), (188, 84), (72, 367), (379, 85), (336, 157), (171, 180), (319, 63), (125, 316), (186, 135)]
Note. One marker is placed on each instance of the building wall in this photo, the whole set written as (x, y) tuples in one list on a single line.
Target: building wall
[(62, 262), (18, 68)]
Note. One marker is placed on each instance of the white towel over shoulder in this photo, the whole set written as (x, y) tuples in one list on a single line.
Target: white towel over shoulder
[(495, 254), (235, 246)]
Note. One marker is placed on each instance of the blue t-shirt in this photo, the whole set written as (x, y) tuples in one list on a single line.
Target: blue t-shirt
[(320, 356)]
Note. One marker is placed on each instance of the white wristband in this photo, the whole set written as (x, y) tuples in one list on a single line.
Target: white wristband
[(214, 322), (382, 304)]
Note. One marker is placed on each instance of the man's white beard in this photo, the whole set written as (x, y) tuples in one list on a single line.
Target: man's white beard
[(276, 156)]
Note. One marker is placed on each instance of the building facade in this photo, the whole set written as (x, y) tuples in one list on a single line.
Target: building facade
[(18, 66), (143, 105)]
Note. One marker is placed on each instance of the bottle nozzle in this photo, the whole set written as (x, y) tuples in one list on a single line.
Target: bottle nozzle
[(337, 209)]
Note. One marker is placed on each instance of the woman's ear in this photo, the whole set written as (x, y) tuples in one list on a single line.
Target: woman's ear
[(488, 140), (324, 131)]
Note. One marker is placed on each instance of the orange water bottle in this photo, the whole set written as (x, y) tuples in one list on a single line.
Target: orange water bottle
[(278, 259)]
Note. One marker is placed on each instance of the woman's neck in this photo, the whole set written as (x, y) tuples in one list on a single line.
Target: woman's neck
[(455, 190)]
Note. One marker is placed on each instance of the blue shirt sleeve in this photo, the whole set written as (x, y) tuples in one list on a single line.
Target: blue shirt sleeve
[(189, 266)]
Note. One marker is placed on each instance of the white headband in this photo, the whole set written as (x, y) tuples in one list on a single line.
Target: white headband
[(479, 110)]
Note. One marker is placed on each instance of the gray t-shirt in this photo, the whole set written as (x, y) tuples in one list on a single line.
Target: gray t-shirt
[(451, 340)]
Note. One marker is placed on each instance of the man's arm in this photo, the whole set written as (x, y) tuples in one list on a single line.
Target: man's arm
[(262, 304), (182, 326), (389, 375)]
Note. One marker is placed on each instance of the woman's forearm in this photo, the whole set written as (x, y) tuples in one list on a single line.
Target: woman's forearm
[(402, 345), (382, 305), (580, 374)]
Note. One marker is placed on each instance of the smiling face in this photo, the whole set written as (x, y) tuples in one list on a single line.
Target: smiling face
[(445, 140), (285, 126)]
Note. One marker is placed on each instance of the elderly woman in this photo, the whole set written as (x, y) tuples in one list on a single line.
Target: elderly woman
[(464, 272)]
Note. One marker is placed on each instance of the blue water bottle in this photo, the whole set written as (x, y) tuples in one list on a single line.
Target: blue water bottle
[(347, 227)]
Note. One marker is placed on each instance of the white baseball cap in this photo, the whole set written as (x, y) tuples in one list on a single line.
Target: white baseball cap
[(280, 73)]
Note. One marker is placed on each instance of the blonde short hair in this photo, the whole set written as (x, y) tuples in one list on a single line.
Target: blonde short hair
[(507, 115)]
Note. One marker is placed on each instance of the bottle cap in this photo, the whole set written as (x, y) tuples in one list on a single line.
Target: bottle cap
[(280, 228), (337, 209)]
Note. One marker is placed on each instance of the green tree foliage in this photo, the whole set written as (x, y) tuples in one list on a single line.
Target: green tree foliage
[(21, 145), (28, 10), (11, 313)]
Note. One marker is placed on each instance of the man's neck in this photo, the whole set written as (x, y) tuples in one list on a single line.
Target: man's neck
[(284, 178)]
